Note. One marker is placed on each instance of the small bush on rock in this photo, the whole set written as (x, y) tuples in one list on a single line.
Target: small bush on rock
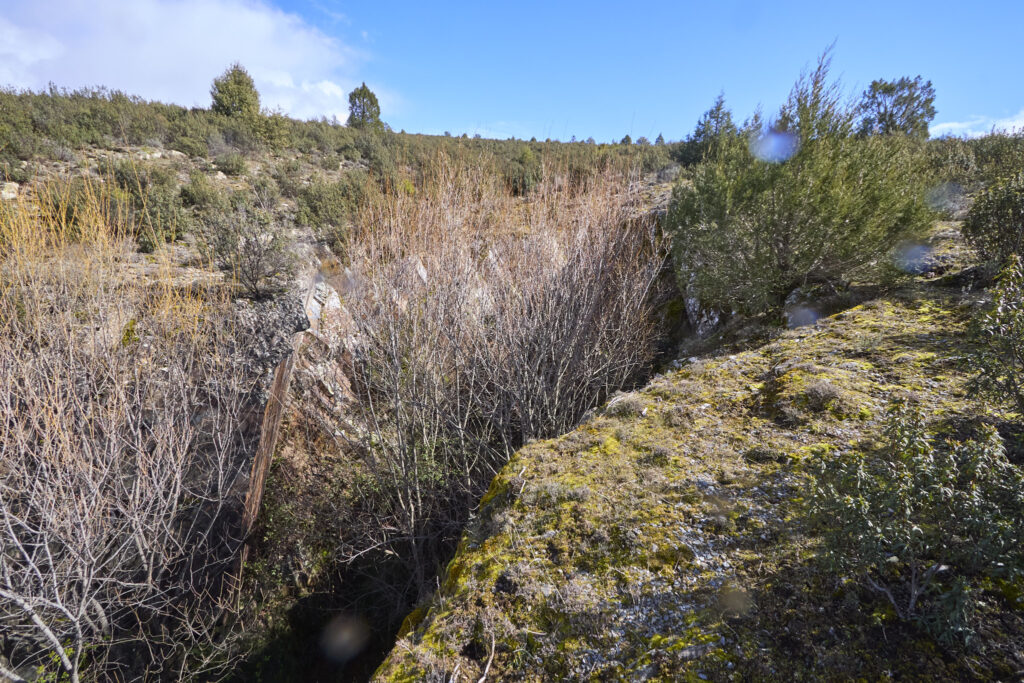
[(920, 523), (249, 244), (995, 223), (1001, 333), (232, 164)]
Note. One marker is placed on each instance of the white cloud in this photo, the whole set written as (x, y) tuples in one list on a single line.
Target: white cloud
[(171, 50), (979, 125)]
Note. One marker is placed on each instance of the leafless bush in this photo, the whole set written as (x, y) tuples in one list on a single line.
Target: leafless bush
[(121, 424), (483, 321)]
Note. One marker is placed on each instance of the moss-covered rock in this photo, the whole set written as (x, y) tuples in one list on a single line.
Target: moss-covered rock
[(665, 539)]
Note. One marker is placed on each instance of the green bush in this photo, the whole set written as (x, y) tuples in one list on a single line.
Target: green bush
[(331, 207), (288, 175), (754, 225), (995, 222), (923, 524), (153, 197), (999, 155), (202, 194), (374, 151), (265, 193), (232, 164), (234, 94), (1000, 354), (524, 172), (190, 146), (251, 246), (14, 170)]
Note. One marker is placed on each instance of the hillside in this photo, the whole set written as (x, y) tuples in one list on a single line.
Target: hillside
[(276, 394), (667, 538)]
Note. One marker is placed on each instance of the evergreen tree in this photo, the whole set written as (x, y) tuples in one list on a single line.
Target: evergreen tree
[(747, 232), (234, 94), (364, 110), (904, 106)]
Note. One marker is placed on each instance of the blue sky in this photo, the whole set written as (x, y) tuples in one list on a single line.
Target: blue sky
[(527, 68)]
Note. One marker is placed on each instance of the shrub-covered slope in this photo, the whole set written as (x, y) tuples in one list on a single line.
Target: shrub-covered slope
[(668, 539)]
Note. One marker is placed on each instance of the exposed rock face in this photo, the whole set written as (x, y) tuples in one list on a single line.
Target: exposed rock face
[(9, 190), (703, 320), (266, 331)]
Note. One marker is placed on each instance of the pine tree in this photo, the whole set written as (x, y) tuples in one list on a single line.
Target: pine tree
[(234, 94), (364, 110)]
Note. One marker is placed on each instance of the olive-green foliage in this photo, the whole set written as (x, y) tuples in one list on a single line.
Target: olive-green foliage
[(202, 194), (54, 122), (153, 197), (375, 151), (249, 244), (920, 523), (714, 124), (190, 146), (14, 170), (234, 94), (995, 222), (524, 172), (287, 174), (232, 164), (1000, 357), (32, 122), (976, 162), (274, 131), (265, 192), (331, 206), (747, 232)]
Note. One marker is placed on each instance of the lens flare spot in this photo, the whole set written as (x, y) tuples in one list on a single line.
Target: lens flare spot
[(344, 638), (912, 258), (774, 146), (798, 316)]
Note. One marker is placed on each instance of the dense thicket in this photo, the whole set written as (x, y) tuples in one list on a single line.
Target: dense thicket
[(995, 222), (125, 422), (800, 200)]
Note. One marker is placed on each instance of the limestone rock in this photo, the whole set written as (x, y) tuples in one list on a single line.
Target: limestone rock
[(9, 190)]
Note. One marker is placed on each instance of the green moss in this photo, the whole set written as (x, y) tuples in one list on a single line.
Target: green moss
[(129, 336)]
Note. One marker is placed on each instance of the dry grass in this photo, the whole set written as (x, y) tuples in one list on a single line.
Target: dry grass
[(122, 422), (483, 321)]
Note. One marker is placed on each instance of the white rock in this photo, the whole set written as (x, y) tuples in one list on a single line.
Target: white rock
[(9, 191)]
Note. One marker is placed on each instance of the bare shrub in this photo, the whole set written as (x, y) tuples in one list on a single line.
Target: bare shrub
[(483, 321), (122, 421)]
